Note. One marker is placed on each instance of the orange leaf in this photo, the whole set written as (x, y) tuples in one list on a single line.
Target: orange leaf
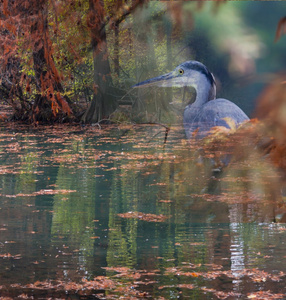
[(281, 28)]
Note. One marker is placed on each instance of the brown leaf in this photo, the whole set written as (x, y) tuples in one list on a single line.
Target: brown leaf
[(281, 28), (144, 217)]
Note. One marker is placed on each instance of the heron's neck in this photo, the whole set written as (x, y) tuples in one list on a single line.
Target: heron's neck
[(205, 91)]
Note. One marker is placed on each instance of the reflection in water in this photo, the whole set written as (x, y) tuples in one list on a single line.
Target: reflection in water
[(199, 235), (237, 246)]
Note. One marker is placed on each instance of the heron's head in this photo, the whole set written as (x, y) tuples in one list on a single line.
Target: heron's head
[(189, 73)]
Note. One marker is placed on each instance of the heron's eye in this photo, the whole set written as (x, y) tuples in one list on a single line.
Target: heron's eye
[(181, 71)]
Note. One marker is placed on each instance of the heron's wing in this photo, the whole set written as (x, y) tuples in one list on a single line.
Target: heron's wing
[(215, 111), (212, 114)]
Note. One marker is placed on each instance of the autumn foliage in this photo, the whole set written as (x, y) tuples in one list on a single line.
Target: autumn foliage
[(31, 80), (44, 45), (281, 28), (271, 110)]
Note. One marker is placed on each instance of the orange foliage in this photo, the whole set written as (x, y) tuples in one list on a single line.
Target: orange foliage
[(281, 28), (271, 109), (26, 39), (63, 103), (30, 31), (272, 102)]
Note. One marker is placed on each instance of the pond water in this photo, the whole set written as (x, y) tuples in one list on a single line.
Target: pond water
[(114, 213)]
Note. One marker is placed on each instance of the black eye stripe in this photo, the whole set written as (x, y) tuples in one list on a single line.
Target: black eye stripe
[(197, 66)]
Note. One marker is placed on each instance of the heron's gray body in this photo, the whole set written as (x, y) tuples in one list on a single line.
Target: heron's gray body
[(207, 111), (198, 121)]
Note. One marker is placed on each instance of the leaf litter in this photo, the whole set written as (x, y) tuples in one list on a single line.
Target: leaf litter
[(132, 162)]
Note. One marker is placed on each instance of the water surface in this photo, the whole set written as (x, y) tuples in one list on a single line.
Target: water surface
[(114, 212)]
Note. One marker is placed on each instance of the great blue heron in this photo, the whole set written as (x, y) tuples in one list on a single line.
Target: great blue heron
[(206, 111)]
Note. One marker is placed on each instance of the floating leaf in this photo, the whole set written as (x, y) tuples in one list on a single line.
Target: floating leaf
[(144, 217)]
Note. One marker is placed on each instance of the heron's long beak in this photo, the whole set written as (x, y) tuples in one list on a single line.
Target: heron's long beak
[(161, 81)]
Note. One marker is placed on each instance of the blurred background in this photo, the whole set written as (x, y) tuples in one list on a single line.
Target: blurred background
[(234, 39)]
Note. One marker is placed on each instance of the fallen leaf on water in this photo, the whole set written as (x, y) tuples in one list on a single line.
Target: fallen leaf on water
[(117, 269), (262, 295), (53, 192), (186, 286), (8, 255), (144, 217), (42, 192)]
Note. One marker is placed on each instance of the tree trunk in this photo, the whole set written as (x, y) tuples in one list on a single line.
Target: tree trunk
[(104, 100), (49, 104)]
